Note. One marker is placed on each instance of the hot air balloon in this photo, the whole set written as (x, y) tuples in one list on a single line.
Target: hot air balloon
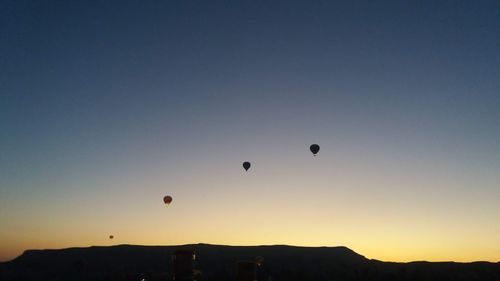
[(314, 149), (167, 199), (111, 237), (246, 165)]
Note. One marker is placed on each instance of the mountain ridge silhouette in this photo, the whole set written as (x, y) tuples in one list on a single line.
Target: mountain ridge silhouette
[(217, 262)]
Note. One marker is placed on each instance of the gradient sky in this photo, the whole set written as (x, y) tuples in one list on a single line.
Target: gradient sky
[(107, 106)]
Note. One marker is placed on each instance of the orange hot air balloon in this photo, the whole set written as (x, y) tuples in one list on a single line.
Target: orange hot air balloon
[(167, 199)]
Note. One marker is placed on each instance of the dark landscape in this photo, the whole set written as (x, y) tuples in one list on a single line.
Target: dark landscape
[(217, 262)]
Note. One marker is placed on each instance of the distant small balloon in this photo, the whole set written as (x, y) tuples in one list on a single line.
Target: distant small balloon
[(111, 237), (314, 149), (167, 199), (246, 165)]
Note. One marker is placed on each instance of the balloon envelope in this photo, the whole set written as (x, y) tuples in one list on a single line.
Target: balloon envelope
[(167, 199), (314, 148), (246, 165)]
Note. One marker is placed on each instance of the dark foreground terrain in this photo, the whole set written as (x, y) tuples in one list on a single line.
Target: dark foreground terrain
[(281, 263)]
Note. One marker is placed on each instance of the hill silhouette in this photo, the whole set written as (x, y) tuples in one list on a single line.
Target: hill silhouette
[(217, 262)]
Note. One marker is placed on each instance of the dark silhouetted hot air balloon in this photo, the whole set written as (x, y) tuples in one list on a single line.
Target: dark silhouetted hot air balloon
[(167, 199), (314, 149), (111, 237), (246, 165)]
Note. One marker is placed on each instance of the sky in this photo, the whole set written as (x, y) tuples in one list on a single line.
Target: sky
[(107, 106)]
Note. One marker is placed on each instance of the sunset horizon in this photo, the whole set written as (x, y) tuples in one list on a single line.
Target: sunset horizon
[(409, 260)]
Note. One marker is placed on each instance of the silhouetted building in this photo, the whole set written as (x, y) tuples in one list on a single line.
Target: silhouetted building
[(246, 271), (183, 265)]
